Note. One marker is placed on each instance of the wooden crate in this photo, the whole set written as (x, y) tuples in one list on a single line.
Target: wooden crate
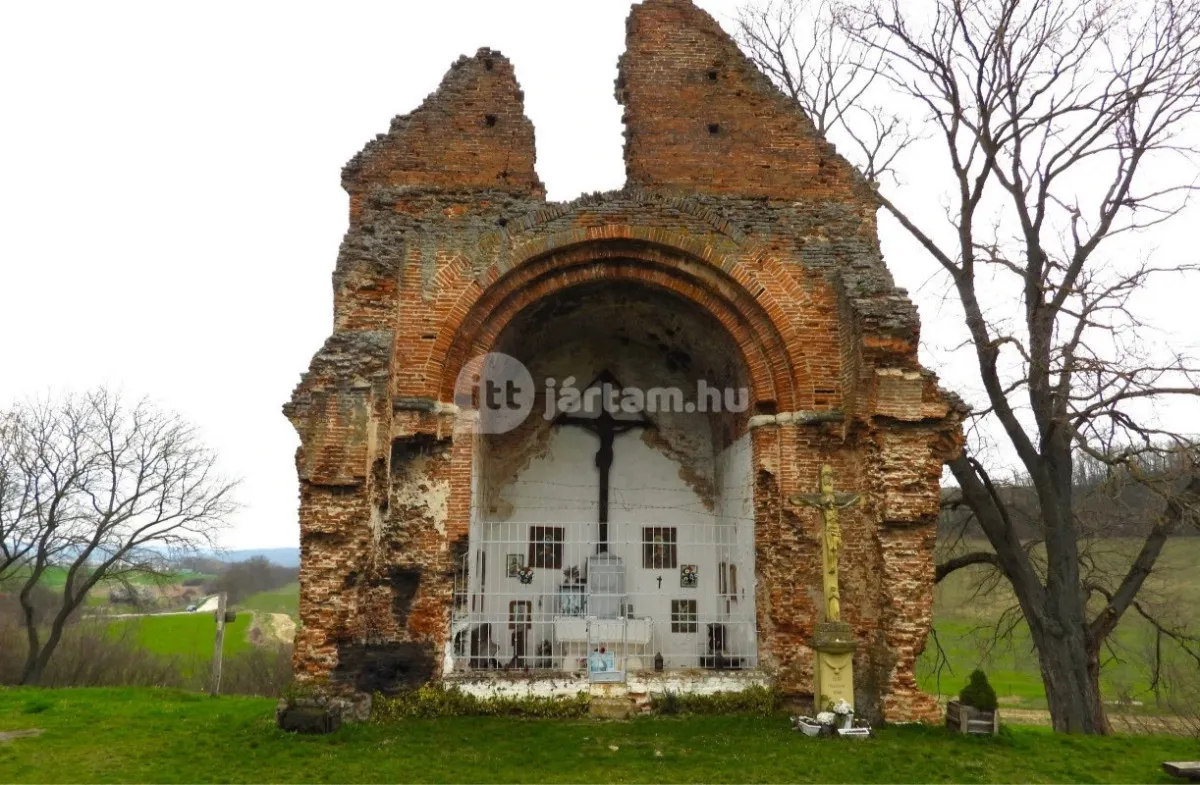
[(962, 718)]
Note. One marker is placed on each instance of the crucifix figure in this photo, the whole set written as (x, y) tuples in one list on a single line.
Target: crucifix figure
[(606, 427), (828, 502)]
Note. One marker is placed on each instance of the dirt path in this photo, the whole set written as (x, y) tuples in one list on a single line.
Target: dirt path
[(270, 628), (208, 604), (1121, 723), (283, 627), (19, 734)]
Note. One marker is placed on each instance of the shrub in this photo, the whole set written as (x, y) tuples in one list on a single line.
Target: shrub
[(666, 703), (979, 693), (756, 700), (94, 653), (263, 670), (437, 700)]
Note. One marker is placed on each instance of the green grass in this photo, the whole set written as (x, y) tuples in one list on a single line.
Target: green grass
[(964, 623), (143, 735), (285, 599), (186, 634)]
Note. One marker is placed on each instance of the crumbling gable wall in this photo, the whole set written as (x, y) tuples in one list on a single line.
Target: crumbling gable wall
[(732, 202), (701, 118)]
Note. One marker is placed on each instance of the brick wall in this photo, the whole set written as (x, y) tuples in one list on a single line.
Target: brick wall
[(732, 203)]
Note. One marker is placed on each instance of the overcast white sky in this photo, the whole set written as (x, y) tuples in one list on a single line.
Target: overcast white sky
[(170, 207)]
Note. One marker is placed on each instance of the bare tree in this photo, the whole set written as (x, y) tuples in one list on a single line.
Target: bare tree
[(1062, 127), (18, 534), (109, 491)]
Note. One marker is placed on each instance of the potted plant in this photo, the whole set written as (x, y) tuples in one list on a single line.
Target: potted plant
[(976, 710), (837, 721)]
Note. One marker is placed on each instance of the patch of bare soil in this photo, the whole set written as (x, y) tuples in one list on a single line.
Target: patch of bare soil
[(283, 627), (6, 735), (270, 628), (1121, 723)]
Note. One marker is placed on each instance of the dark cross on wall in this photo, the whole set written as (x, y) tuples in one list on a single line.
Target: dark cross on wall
[(606, 427)]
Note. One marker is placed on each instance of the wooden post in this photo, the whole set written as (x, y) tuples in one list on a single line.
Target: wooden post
[(218, 649)]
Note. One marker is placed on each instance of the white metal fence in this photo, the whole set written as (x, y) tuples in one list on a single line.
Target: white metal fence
[(534, 596)]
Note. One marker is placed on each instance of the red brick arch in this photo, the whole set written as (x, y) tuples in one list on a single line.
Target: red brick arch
[(744, 304)]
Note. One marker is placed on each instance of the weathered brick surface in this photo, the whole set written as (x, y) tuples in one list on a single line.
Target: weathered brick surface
[(757, 222), (471, 133), (694, 104)]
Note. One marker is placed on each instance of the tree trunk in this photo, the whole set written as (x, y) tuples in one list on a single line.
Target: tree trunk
[(1071, 674), (39, 656), (30, 673)]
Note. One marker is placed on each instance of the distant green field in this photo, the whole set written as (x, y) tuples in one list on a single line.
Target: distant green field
[(185, 635), (57, 576), (285, 599), (964, 621)]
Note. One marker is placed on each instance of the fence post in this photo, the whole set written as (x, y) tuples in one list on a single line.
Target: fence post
[(218, 648)]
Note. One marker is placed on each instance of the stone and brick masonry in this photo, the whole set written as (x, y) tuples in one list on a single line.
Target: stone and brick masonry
[(733, 202)]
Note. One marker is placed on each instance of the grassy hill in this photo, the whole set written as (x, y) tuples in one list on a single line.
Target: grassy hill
[(285, 599), (146, 735), (185, 634), (56, 577), (966, 614)]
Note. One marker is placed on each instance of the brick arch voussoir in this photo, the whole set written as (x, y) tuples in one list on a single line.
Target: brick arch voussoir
[(776, 371), (751, 309), (767, 383)]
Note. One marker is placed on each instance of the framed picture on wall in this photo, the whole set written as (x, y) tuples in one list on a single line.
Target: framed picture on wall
[(514, 564), (546, 547), (684, 616), (520, 614), (659, 547), (727, 580), (689, 576)]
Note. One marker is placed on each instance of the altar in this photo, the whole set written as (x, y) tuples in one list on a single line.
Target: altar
[(627, 639)]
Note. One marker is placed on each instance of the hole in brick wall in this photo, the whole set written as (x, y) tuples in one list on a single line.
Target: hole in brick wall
[(503, 222), (488, 64), (409, 448), (713, 128), (712, 76), (766, 407), (490, 120)]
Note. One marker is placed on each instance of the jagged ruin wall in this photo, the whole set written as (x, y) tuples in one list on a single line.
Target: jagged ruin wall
[(733, 202)]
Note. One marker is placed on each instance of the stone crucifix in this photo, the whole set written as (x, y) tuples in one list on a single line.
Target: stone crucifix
[(828, 502)]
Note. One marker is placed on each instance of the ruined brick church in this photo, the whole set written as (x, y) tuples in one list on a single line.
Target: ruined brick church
[(737, 280)]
